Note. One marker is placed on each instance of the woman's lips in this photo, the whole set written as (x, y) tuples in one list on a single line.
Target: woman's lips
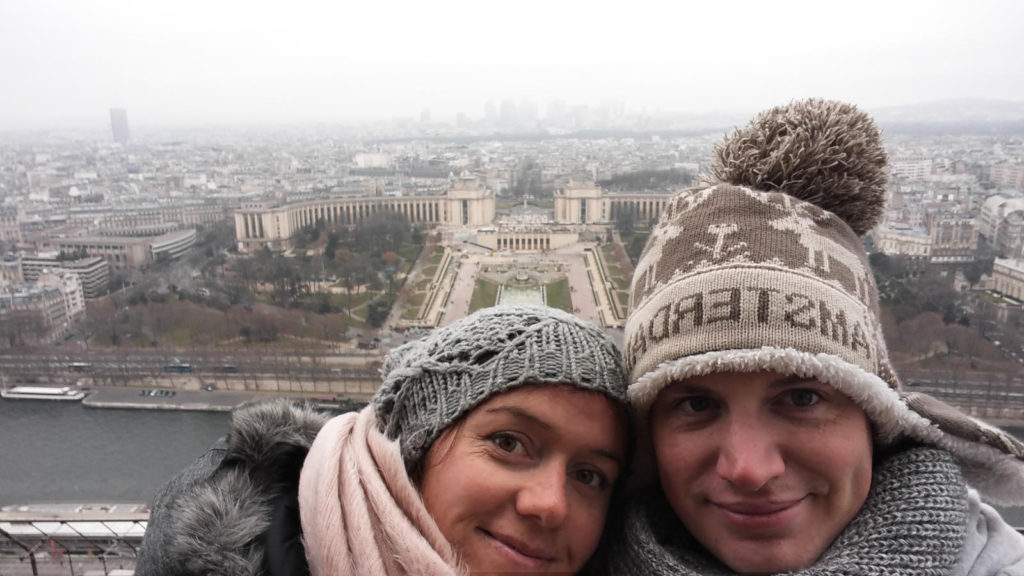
[(519, 551)]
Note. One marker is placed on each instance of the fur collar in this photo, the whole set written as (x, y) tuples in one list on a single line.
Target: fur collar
[(217, 522)]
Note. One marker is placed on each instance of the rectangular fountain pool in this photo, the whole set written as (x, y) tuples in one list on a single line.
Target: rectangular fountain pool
[(521, 295)]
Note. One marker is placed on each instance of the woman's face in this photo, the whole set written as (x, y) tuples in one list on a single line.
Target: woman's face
[(764, 470), (523, 483)]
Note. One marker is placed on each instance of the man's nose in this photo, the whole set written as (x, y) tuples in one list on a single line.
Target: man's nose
[(749, 455)]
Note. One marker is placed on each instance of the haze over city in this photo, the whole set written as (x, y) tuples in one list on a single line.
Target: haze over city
[(205, 205), (192, 63)]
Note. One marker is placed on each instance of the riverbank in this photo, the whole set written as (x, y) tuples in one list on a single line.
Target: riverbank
[(195, 400)]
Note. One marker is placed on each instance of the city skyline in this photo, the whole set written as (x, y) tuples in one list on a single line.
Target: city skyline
[(230, 63)]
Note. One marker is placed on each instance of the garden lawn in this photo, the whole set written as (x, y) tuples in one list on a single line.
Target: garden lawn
[(558, 296), (485, 294)]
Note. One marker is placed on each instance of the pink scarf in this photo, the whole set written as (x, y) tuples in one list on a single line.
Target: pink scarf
[(361, 514)]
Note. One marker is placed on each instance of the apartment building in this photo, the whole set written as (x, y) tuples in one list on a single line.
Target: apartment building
[(1008, 277), (1001, 223), (1007, 175), (33, 314), (93, 272), (121, 253), (903, 239), (911, 167), (70, 286)]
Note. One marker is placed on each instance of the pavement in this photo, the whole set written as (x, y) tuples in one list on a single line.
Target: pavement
[(47, 565), (136, 399)]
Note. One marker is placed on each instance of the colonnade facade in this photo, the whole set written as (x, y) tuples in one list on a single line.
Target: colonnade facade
[(415, 210), (275, 226), (592, 205), (502, 240), (643, 208), (524, 243), (257, 225)]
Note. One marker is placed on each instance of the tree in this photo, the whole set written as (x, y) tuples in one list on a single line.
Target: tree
[(624, 221), (386, 231), (322, 303), (976, 269), (636, 247), (649, 180), (353, 272), (377, 311), (332, 245), (881, 265)]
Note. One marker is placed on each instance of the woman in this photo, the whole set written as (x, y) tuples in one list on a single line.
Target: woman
[(492, 445), (776, 434)]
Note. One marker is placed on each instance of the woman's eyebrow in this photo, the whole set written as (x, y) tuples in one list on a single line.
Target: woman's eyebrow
[(537, 421), (520, 413)]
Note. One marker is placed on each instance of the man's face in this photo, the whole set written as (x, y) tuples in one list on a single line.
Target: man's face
[(764, 470)]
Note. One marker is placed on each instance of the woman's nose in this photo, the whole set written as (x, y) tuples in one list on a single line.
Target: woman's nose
[(543, 496)]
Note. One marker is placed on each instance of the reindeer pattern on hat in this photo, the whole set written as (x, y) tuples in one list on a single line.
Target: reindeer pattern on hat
[(728, 225)]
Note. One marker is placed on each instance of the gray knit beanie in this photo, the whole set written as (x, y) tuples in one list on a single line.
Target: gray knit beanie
[(430, 383), (762, 269)]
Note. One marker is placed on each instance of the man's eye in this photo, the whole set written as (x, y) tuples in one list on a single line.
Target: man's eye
[(695, 404), (803, 398)]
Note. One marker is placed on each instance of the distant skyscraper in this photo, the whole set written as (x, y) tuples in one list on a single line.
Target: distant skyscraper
[(509, 113), (119, 124)]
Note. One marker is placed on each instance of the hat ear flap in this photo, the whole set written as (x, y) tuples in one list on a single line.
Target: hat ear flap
[(993, 460)]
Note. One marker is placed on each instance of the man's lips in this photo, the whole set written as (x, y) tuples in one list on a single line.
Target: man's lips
[(525, 552), (757, 507), (759, 515)]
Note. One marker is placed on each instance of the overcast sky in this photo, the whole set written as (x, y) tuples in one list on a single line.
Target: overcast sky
[(195, 62)]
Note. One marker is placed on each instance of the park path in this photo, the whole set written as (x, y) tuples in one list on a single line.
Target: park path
[(468, 266)]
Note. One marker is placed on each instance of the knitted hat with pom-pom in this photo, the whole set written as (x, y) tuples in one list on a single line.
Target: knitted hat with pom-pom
[(430, 383), (763, 269)]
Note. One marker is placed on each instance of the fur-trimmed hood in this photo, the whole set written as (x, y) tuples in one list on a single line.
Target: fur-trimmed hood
[(211, 518)]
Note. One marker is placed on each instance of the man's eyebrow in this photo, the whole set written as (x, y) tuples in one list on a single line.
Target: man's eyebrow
[(685, 387), (619, 460), (792, 379)]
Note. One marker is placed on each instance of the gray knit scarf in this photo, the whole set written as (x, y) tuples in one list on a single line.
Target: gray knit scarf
[(913, 523)]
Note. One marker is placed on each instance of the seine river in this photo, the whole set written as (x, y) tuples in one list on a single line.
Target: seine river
[(65, 452)]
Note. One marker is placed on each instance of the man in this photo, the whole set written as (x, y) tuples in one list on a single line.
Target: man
[(774, 434)]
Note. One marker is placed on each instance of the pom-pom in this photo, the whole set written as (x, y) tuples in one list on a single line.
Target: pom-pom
[(824, 152)]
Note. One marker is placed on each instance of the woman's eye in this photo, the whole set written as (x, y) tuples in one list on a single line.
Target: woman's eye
[(803, 397), (506, 442), (590, 478)]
